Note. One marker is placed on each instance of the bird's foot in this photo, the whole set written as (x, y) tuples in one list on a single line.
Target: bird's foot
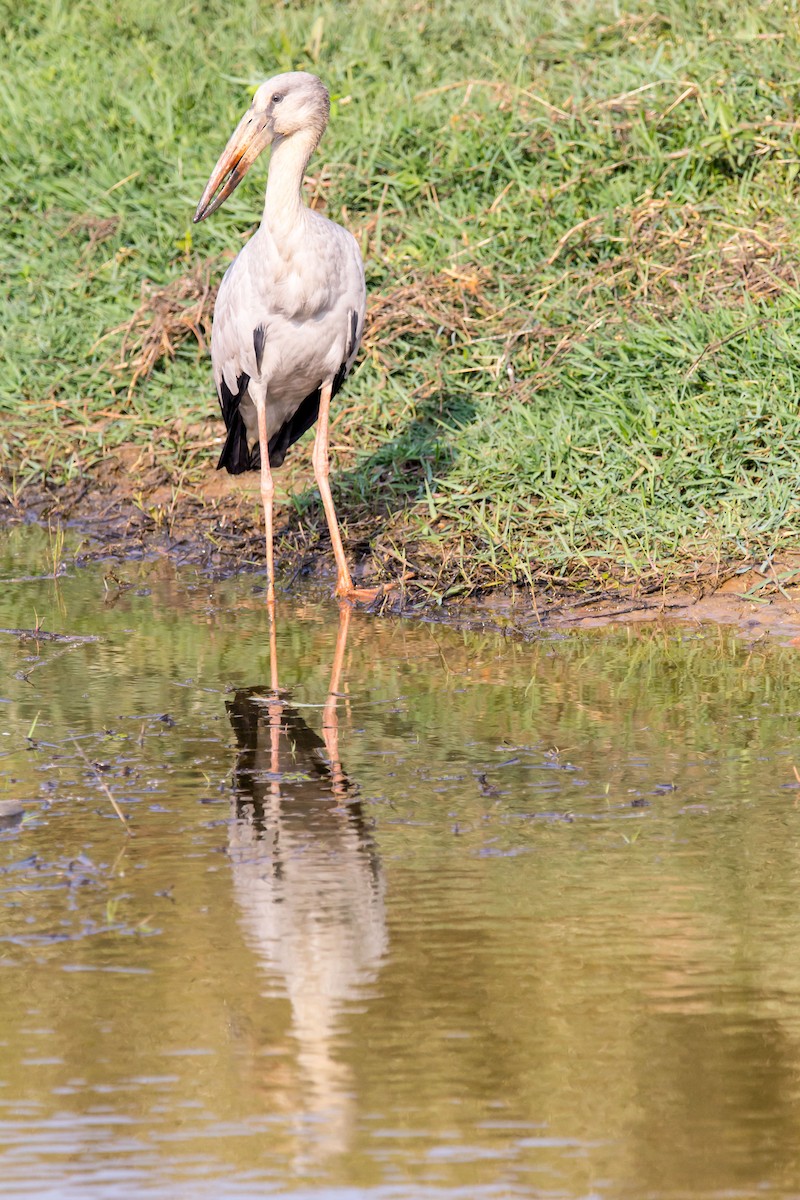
[(358, 595), (362, 595)]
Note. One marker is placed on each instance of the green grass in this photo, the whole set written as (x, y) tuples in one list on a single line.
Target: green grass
[(581, 227)]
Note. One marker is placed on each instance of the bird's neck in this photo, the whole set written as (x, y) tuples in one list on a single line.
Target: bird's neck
[(283, 203)]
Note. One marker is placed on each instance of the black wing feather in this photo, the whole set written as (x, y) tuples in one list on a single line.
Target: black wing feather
[(259, 338)]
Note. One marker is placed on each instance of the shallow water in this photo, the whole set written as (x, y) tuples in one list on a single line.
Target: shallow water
[(507, 919)]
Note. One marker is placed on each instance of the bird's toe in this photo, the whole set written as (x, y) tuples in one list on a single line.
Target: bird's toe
[(365, 596)]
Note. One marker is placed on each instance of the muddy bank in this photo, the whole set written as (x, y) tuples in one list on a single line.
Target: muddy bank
[(775, 614), (212, 521)]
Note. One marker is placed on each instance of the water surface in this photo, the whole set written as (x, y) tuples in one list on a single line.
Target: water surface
[(498, 919)]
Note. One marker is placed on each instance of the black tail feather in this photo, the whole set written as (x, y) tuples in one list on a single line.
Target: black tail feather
[(235, 456)]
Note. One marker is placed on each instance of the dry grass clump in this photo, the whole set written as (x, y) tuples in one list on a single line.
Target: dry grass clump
[(762, 261), (96, 229), (447, 304), (166, 317), (668, 252)]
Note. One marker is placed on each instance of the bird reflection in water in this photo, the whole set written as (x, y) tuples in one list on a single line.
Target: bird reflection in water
[(307, 878)]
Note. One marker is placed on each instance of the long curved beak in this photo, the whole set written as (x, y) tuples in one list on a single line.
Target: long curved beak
[(248, 139)]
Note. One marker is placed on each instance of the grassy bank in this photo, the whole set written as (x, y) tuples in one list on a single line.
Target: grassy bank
[(581, 233)]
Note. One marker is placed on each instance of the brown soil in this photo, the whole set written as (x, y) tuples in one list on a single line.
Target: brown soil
[(775, 615), (214, 521)]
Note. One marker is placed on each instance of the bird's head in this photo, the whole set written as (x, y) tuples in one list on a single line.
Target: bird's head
[(293, 103), (284, 106)]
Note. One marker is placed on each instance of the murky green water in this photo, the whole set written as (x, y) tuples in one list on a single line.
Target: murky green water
[(513, 920)]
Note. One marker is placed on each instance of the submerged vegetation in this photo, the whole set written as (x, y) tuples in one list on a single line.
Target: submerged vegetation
[(580, 226)]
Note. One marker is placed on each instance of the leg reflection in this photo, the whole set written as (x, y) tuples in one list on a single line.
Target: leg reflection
[(307, 878), (330, 715)]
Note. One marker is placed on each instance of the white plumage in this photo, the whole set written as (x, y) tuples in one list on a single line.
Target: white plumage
[(306, 326), (290, 310)]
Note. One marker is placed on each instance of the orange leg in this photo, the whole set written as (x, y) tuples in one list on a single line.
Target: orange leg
[(344, 584), (267, 496)]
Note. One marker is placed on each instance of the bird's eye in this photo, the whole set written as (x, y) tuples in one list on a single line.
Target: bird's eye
[(276, 99)]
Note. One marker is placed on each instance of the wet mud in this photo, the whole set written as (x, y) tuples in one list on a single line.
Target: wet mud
[(214, 526)]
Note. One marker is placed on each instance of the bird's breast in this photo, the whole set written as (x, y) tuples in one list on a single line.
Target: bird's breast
[(287, 318)]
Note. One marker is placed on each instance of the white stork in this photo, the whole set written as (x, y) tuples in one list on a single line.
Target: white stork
[(290, 310)]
